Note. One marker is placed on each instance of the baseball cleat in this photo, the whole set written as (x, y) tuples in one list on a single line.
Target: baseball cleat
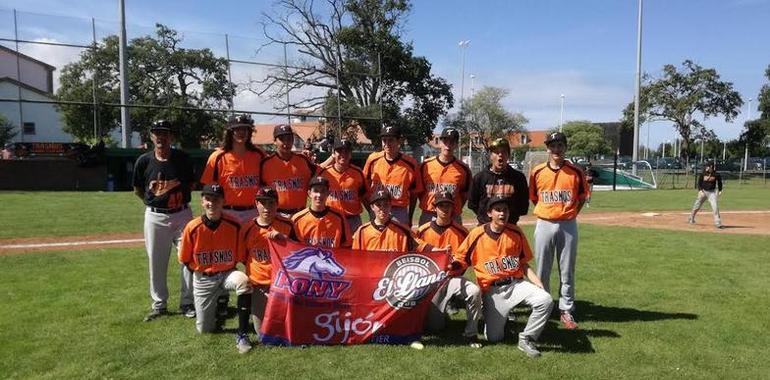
[(720, 226), (690, 220), (567, 320), (242, 343), (188, 311), (473, 342), (155, 314), (526, 346)]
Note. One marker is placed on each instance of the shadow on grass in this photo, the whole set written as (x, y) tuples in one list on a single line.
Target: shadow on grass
[(589, 311)]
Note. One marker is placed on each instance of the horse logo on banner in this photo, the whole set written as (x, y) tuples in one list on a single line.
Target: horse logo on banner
[(315, 262)]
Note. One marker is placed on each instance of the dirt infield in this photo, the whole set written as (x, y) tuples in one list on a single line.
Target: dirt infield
[(735, 222)]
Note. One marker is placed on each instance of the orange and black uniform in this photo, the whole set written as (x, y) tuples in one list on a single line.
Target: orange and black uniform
[(327, 228), (238, 176), (211, 247), (255, 248), (451, 235), (557, 194), (346, 189), (290, 178), (400, 177), (453, 177), (393, 236), (494, 256)]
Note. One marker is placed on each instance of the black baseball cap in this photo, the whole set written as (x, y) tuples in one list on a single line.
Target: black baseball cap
[(450, 133), (237, 121), (500, 143), (318, 180), (556, 136), (443, 197), (266, 192), (343, 144), (495, 200), (390, 131), (379, 195), (161, 125), (281, 130), (213, 189)]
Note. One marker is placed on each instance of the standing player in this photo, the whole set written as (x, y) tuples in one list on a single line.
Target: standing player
[(444, 173), (447, 233), (319, 225), (709, 187), (500, 180), (396, 172), (236, 166), (499, 254), (211, 248), (162, 179), (287, 172), (347, 186), (267, 225), (558, 189)]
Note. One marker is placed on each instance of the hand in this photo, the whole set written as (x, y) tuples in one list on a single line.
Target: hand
[(275, 235), (454, 269), (538, 283)]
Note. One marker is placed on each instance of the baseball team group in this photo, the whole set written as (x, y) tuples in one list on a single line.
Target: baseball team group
[(250, 197)]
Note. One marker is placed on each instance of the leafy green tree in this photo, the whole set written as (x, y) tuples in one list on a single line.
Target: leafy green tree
[(764, 97), (681, 96), (483, 115), (358, 37), (160, 73), (6, 131), (585, 139)]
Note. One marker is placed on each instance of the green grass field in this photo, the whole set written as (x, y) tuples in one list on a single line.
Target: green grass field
[(651, 304)]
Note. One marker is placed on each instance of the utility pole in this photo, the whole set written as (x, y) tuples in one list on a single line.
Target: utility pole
[(635, 156), (125, 117)]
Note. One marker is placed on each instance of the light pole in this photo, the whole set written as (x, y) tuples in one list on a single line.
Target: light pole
[(635, 156), (473, 85), (125, 117), (463, 46), (561, 114)]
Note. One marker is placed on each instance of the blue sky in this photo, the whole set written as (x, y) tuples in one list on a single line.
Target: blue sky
[(538, 50)]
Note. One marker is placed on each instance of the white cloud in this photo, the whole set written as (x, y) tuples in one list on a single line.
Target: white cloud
[(56, 56)]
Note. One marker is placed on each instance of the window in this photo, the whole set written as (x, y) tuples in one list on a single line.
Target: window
[(524, 139), (29, 128)]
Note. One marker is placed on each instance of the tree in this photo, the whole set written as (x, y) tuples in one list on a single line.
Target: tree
[(483, 115), (160, 73), (7, 132), (680, 96), (358, 37), (764, 97), (585, 139)]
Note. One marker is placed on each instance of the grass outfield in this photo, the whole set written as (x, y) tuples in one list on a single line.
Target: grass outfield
[(651, 304)]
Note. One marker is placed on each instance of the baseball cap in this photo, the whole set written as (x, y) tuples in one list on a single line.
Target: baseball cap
[(495, 200), (556, 136), (450, 133), (240, 121), (379, 195), (318, 180), (266, 192), (343, 144), (161, 125), (500, 143), (281, 130), (390, 130), (213, 189), (443, 197)]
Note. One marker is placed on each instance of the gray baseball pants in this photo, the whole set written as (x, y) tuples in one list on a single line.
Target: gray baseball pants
[(468, 292), (500, 300), (560, 239), (160, 232), (207, 289), (712, 196)]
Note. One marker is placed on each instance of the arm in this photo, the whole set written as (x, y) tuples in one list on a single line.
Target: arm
[(521, 194), (412, 205), (475, 194), (139, 192), (719, 183), (532, 277)]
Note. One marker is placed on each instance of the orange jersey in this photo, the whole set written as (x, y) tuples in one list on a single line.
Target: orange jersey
[(393, 236), (211, 247), (451, 235), (400, 177), (346, 189), (324, 229), (495, 256), (289, 178), (557, 194), (256, 250), (239, 176), (454, 177)]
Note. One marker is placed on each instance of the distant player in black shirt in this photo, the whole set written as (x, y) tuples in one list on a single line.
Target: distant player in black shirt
[(709, 187), (499, 180)]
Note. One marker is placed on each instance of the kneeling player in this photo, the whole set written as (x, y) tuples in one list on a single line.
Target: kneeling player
[(499, 254), (210, 248)]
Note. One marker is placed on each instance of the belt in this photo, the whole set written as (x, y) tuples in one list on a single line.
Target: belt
[(168, 210), (504, 281), (239, 208), (289, 210), (212, 274)]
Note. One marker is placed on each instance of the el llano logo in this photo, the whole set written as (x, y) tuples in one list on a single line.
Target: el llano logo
[(407, 280)]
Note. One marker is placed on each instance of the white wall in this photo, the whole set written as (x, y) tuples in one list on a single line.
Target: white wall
[(32, 73), (48, 124)]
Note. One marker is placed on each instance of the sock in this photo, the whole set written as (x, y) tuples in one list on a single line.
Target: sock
[(244, 312)]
